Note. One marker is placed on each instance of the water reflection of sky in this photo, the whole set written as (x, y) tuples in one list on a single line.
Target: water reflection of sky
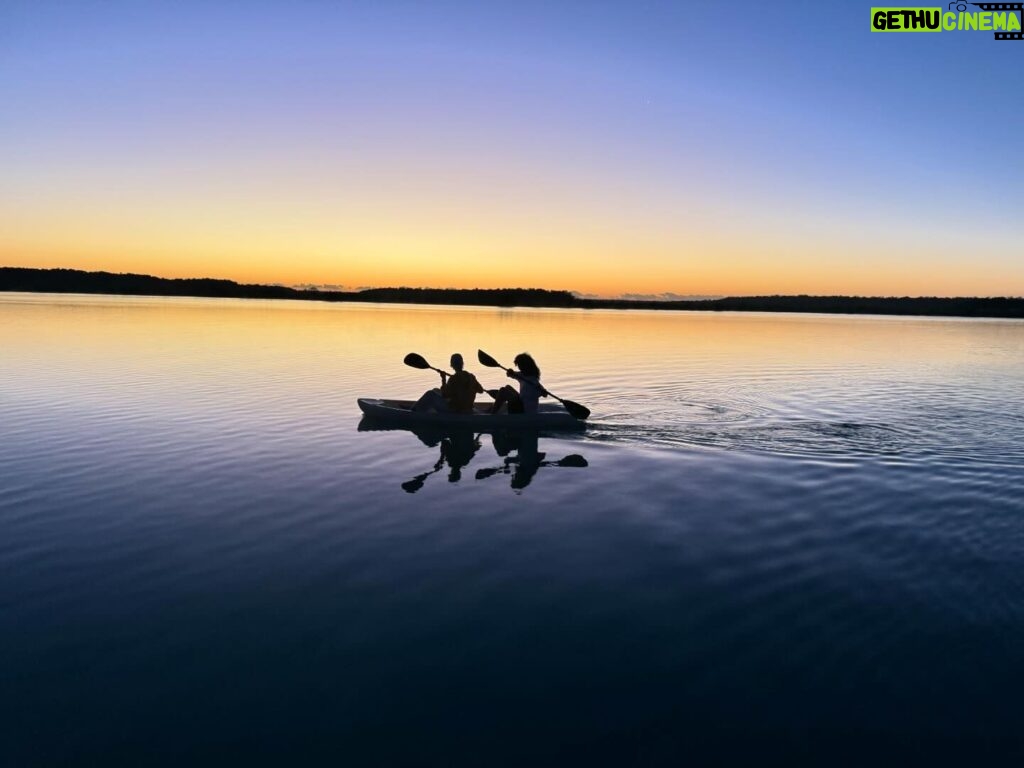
[(774, 528)]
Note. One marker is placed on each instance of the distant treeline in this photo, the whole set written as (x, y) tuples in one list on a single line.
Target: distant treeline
[(845, 305), (76, 281)]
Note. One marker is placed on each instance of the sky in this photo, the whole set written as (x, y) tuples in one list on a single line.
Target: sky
[(692, 148)]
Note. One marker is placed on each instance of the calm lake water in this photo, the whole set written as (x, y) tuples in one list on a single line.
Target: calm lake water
[(783, 538)]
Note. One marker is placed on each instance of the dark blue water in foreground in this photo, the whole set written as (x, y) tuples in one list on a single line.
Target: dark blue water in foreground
[(783, 541)]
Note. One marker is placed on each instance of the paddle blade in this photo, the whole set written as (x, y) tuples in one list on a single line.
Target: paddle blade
[(572, 460), (411, 486), (493, 392), (416, 361), (578, 411), (487, 360)]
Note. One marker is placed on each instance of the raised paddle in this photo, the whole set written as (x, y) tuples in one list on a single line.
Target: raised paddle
[(418, 361), (578, 411)]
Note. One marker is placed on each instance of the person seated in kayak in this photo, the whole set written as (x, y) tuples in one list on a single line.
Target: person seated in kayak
[(457, 393), (530, 389)]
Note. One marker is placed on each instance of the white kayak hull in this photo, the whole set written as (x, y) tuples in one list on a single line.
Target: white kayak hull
[(398, 412)]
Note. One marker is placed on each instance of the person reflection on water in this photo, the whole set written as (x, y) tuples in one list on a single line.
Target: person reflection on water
[(528, 458), (457, 393), (530, 389), (458, 449)]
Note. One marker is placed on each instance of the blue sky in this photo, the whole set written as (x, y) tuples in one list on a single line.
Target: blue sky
[(740, 147)]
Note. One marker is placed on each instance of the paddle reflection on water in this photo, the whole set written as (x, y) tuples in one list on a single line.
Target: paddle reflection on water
[(518, 450), (527, 460)]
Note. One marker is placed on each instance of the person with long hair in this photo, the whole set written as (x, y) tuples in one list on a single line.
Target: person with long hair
[(530, 388)]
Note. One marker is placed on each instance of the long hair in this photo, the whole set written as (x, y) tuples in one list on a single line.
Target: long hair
[(526, 365)]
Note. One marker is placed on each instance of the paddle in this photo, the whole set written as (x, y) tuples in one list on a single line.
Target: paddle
[(578, 411), (418, 361)]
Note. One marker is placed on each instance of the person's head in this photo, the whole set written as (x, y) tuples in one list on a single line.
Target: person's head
[(457, 361), (526, 364)]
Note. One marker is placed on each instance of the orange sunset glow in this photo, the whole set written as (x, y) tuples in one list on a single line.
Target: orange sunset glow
[(329, 152)]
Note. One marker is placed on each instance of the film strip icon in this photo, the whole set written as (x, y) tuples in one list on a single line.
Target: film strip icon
[(1019, 7)]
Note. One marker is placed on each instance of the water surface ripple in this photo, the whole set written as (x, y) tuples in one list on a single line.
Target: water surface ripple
[(783, 539)]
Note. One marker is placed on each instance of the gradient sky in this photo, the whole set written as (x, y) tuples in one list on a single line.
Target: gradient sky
[(606, 148)]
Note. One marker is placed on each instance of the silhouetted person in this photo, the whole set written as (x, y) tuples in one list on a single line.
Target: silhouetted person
[(530, 389), (457, 393)]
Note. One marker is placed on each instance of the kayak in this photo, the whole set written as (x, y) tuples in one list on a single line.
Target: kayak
[(400, 412)]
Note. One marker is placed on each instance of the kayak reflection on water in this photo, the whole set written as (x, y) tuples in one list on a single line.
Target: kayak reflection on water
[(519, 450)]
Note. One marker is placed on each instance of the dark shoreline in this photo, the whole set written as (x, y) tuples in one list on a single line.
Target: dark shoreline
[(20, 279)]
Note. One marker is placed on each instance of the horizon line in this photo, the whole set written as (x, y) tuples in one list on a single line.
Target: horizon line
[(667, 297)]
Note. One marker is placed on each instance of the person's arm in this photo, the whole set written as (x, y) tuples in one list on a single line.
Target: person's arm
[(478, 385), (535, 383)]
